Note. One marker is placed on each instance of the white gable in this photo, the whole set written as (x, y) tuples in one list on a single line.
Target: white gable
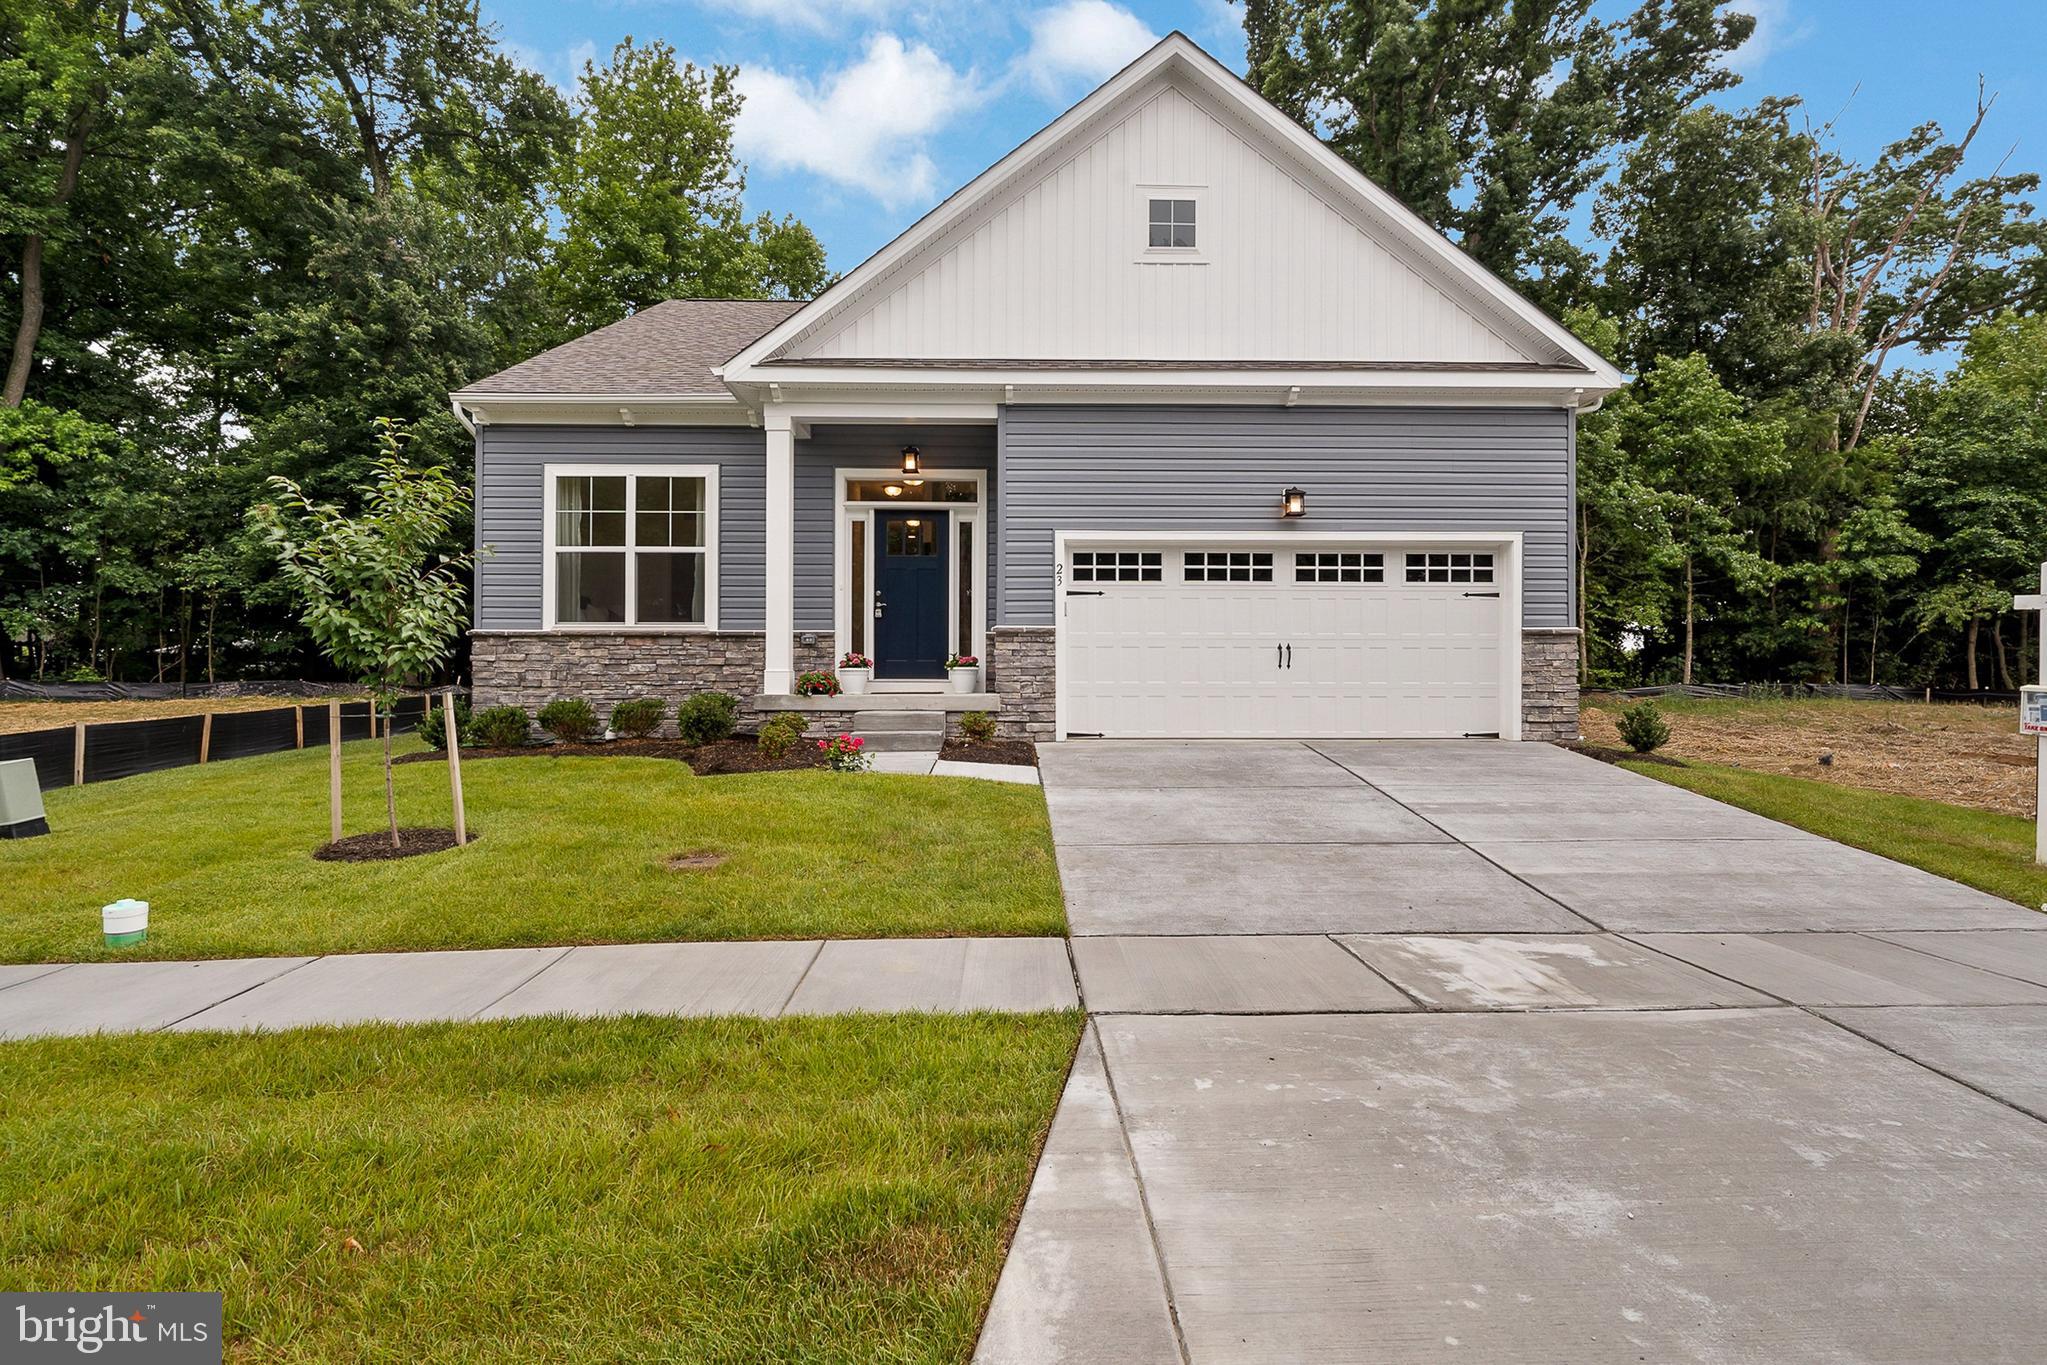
[(1058, 269)]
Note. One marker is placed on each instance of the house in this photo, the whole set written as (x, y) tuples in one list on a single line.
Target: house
[(1170, 416)]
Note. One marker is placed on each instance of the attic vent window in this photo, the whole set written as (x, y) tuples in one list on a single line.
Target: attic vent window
[(1172, 224)]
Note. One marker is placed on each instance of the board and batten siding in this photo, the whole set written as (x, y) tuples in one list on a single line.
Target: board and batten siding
[(510, 507), (1072, 468)]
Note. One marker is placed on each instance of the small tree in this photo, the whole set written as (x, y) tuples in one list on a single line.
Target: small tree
[(377, 594)]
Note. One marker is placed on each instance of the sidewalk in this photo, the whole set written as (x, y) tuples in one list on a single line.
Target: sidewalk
[(760, 979)]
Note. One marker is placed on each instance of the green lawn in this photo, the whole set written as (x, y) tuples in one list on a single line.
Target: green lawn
[(1990, 852), (572, 850), (637, 1189)]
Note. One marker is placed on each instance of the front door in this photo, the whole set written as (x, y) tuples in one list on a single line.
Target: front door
[(909, 595)]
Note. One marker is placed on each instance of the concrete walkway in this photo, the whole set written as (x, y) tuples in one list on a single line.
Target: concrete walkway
[(1484, 1051), (760, 979)]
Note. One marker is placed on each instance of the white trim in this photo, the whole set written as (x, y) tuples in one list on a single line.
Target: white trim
[(1506, 544), (551, 472), (1176, 54), (975, 514), (778, 533)]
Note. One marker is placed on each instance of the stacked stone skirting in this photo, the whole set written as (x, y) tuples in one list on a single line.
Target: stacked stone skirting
[(533, 668), (1549, 683), (1020, 669)]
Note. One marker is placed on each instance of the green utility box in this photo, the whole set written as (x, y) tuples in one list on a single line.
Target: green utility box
[(21, 800)]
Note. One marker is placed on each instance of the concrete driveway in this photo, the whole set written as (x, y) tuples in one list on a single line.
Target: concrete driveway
[(1491, 1051)]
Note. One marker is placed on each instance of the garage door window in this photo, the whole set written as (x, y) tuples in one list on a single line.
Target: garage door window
[(1227, 566), (1340, 567), (1118, 566), (1449, 568)]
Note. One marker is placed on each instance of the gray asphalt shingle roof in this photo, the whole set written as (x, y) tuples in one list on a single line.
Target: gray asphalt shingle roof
[(666, 349)]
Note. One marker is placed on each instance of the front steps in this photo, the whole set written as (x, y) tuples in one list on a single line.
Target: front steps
[(899, 732)]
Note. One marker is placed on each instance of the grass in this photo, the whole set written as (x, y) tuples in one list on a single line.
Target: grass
[(1990, 852), (571, 850), (630, 1190)]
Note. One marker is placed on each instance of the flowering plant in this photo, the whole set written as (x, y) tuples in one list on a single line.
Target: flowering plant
[(816, 685), (852, 660), (962, 661), (844, 753)]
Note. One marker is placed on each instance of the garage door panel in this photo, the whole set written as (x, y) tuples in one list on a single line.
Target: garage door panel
[(1175, 658)]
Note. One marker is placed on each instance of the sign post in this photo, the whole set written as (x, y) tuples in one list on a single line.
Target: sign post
[(2033, 715)]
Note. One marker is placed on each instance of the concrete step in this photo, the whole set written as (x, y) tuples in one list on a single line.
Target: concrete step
[(900, 741), (902, 722)]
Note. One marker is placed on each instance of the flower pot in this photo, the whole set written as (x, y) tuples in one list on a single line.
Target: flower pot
[(125, 923), (854, 680), (964, 679)]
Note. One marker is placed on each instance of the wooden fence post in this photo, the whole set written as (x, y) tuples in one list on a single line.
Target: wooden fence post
[(298, 717), (334, 771), (206, 737), (78, 754), (454, 766)]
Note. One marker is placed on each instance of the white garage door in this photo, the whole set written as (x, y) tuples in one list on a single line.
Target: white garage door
[(1218, 640)]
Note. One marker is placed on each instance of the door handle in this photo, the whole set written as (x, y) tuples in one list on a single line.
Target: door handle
[(878, 604), (1279, 656), (1289, 656)]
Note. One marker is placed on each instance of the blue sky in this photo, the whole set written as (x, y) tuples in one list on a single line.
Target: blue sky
[(861, 114)]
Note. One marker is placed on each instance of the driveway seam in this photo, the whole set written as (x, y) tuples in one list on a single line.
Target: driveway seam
[(54, 967), (1151, 1229), (236, 995), (1348, 951), (524, 982), (804, 976), (1877, 936), (1562, 905), (1814, 1011)]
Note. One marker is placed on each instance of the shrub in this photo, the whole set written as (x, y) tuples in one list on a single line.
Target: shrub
[(569, 719), (434, 730), (638, 718), (779, 733), (1643, 728), (978, 727), (844, 753), (817, 685), (706, 717), (501, 727)]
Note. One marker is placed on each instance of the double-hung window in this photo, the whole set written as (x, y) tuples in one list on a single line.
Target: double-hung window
[(632, 547)]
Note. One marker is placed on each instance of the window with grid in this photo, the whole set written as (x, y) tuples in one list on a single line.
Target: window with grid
[(1172, 223), (1118, 566), (1343, 566), (632, 549), (1449, 567), (1227, 566)]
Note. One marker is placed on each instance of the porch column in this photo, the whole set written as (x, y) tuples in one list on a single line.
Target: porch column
[(779, 675)]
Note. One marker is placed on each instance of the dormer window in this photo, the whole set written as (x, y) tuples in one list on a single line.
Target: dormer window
[(1172, 223)]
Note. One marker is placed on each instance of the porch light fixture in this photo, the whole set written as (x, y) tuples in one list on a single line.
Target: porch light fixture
[(894, 490), (1293, 503), (912, 462)]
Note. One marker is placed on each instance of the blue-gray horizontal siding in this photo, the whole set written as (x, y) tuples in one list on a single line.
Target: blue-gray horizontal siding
[(509, 509), (831, 448), (1072, 468)]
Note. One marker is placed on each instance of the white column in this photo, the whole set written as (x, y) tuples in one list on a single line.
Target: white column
[(780, 674)]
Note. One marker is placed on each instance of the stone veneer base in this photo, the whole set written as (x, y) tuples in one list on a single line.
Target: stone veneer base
[(1549, 683)]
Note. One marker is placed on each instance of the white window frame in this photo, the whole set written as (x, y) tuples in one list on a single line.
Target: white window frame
[(550, 474), (973, 514), (1198, 254)]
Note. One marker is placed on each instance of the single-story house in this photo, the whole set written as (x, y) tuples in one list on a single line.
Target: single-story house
[(1171, 417)]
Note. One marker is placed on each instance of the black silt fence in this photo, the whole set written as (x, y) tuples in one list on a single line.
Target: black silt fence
[(115, 749)]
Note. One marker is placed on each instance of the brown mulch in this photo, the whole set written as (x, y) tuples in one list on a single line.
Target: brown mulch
[(1963, 754), (1020, 751), (376, 847), (739, 754), (1606, 755)]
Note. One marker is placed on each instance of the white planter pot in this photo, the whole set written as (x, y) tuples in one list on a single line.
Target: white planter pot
[(964, 679), (854, 681)]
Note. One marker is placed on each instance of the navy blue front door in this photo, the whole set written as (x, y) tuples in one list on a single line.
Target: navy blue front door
[(909, 595)]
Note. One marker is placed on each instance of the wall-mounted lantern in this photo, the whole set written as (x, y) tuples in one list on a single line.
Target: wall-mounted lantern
[(1293, 503), (912, 462)]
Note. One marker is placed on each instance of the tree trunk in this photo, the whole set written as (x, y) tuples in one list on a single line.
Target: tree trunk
[(1847, 622), (29, 329), (390, 792), (1689, 601), (1876, 618), (2003, 664), (1970, 637)]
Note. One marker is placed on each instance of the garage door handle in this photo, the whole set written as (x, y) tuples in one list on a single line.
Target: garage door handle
[(1092, 592), (1289, 656), (1481, 594)]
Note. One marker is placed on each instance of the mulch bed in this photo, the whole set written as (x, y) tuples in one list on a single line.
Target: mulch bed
[(1020, 751), (376, 847), (739, 754), (1606, 755)]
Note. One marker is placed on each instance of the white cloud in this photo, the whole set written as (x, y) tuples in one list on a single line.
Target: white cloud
[(1082, 40), (561, 69), (1223, 32), (864, 125), (1776, 29), (819, 16)]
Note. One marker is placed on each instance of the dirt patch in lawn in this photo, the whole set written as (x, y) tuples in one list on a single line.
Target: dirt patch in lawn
[(695, 862), (1965, 755), (739, 754), (376, 847), (1019, 751)]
